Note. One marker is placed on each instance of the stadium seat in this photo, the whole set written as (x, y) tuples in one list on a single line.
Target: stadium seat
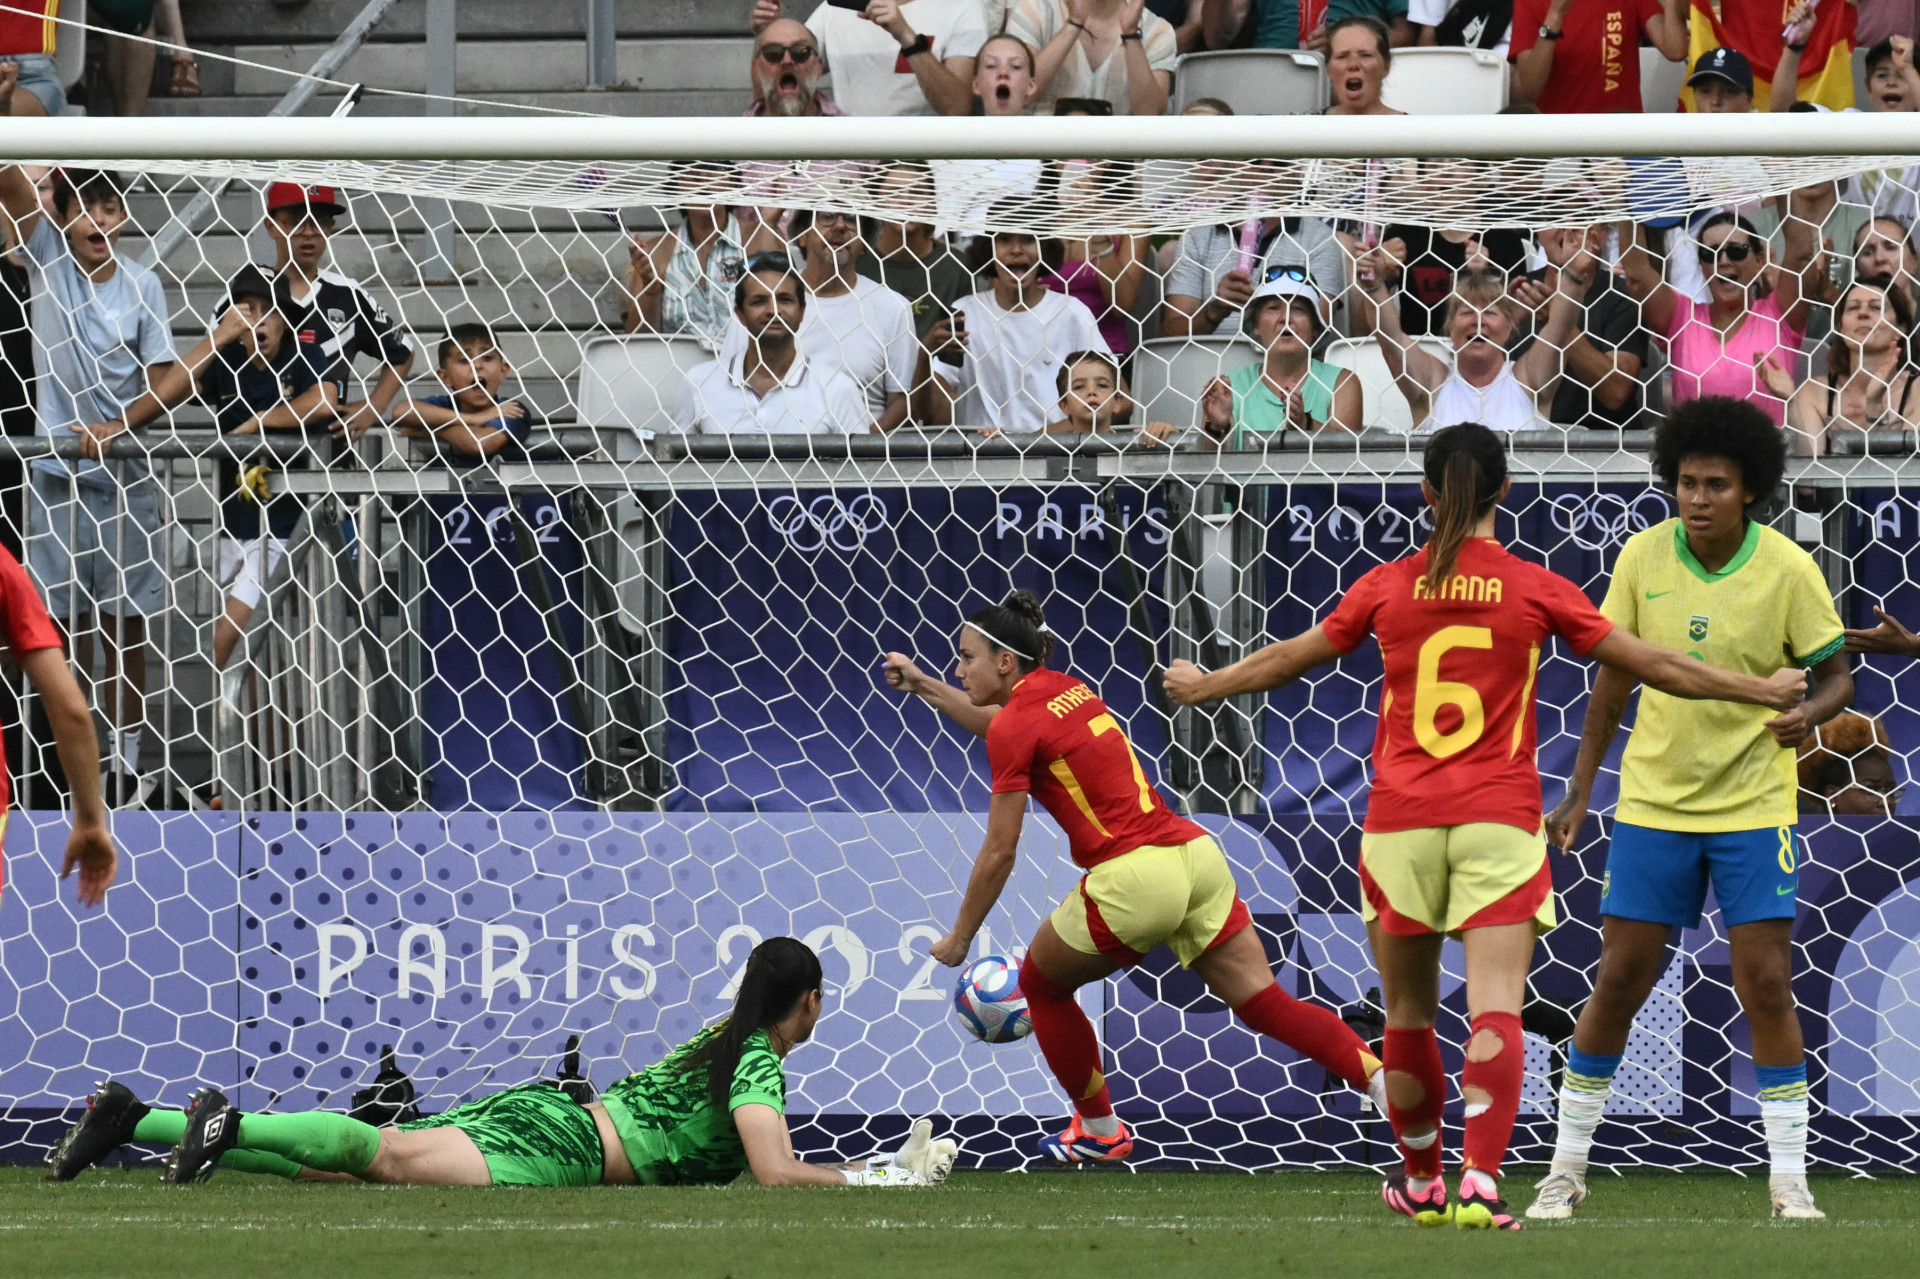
[(1446, 82), (621, 379), (1660, 82), (1381, 403), (1253, 81), (1170, 374), (70, 48)]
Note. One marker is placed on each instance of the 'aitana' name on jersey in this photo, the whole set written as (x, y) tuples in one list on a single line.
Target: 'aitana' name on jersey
[(1461, 586)]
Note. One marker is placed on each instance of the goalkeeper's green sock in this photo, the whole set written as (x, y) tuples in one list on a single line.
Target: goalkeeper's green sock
[(166, 1127), (316, 1139)]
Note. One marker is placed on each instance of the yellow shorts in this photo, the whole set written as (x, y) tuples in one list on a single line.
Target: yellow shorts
[(1447, 879), (1180, 894)]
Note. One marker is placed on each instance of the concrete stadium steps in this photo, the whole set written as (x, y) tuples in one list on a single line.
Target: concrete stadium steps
[(612, 102), (231, 22), (489, 67), (502, 259)]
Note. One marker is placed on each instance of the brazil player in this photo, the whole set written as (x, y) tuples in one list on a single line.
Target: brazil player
[(1453, 843), (714, 1108), (1707, 792), (1152, 877)]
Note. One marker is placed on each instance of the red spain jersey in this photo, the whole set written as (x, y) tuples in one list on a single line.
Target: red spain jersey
[(1056, 739), (27, 26), (27, 628), (1457, 735)]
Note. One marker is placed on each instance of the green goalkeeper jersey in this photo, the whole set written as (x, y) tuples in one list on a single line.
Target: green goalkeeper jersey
[(673, 1133)]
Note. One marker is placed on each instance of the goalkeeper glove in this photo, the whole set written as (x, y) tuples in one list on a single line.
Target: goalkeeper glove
[(882, 1174), (931, 1159)]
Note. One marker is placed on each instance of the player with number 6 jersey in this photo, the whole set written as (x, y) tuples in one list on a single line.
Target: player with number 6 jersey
[(1453, 842), (1152, 877)]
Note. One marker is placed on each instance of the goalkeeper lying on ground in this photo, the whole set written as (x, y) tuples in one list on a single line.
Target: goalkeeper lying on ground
[(714, 1108)]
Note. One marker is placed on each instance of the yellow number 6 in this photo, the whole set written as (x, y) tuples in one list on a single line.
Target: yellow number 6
[(1102, 723), (1430, 693)]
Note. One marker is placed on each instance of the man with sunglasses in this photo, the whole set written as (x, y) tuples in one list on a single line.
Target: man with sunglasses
[(894, 58), (787, 69), (1218, 268)]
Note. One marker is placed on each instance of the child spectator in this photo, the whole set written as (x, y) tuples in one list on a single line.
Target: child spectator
[(1846, 768), (1288, 388), (471, 419), (1570, 58), (1091, 398), (100, 335), (1010, 337), (330, 311), (893, 58), (1116, 50)]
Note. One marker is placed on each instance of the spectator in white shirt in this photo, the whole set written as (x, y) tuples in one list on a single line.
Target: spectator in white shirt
[(770, 387), (852, 323), (1011, 339), (1111, 49), (893, 58)]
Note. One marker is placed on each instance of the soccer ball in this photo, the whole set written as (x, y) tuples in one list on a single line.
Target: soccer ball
[(989, 1001)]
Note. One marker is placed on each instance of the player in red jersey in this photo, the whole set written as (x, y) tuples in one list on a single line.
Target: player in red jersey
[(1453, 843), (35, 648), (1152, 876)]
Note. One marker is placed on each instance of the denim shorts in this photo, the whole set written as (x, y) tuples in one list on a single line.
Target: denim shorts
[(40, 77)]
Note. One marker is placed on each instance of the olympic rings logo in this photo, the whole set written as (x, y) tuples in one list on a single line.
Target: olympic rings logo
[(827, 520), (1605, 519)]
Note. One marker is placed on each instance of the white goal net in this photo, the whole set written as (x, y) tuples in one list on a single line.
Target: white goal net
[(561, 598)]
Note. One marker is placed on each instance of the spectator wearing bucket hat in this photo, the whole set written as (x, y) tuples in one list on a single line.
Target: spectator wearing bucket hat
[(328, 311), (1287, 316)]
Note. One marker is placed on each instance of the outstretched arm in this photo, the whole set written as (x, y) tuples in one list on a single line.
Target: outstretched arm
[(89, 847), (903, 674), (1677, 674), (1277, 664), (1005, 814), (769, 1146), (1888, 637)]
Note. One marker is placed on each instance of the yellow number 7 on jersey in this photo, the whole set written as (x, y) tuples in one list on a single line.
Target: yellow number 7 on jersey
[(1103, 723)]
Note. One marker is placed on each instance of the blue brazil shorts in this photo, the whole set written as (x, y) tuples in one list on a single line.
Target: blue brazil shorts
[(1661, 876)]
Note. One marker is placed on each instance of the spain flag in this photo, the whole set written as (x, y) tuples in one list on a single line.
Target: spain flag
[(1753, 27)]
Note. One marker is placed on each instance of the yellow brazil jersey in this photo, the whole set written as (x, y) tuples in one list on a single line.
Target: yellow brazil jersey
[(1712, 766)]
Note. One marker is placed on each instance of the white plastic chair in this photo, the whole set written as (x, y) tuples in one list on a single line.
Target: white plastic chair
[(635, 381), (1381, 403), (1446, 82), (1253, 81), (1660, 82), (1170, 374), (70, 44)]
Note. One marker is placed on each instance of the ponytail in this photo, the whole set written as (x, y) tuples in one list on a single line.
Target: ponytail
[(779, 974), (1465, 465), (1019, 626)]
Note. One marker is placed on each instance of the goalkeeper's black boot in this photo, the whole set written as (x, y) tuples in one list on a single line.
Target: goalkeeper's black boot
[(112, 1114), (213, 1128)]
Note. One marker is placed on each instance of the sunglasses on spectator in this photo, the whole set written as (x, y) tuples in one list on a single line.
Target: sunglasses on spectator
[(774, 54), (1297, 274), (1728, 250)]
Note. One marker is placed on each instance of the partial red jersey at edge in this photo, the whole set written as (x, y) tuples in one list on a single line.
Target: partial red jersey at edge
[(27, 626), (1056, 739), (1457, 733)]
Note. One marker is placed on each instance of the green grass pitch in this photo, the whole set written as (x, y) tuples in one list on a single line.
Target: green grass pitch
[(980, 1225)]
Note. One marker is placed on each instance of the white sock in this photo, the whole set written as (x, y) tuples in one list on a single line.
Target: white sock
[(1482, 1182), (1579, 1115), (1786, 1127), (127, 750), (1104, 1126), (1420, 1185)]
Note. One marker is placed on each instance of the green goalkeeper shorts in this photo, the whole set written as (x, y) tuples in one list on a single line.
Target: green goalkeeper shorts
[(533, 1135)]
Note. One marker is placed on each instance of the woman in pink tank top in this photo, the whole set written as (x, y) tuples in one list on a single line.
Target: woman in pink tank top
[(1756, 311)]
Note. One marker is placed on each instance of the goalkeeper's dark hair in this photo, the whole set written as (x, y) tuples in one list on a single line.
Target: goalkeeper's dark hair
[(1019, 625), (1466, 465), (1722, 426), (779, 974)]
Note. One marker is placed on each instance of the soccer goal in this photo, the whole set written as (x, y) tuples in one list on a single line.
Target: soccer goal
[(515, 571)]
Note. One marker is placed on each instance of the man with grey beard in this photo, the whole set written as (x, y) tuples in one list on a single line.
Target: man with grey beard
[(787, 67)]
